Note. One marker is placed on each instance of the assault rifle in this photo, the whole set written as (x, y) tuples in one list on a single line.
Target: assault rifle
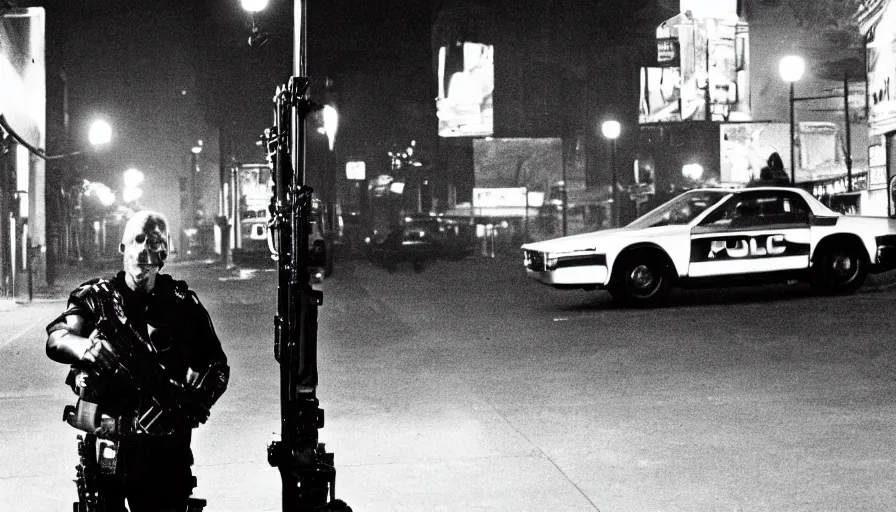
[(164, 404), (307, 472)]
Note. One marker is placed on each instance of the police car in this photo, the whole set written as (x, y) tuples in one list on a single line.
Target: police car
[(720, 236)]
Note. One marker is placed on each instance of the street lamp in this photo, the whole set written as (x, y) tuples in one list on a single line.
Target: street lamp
[(194, 170), (258, 37), (254, 5), (100, 133), (791, 69), (331, 123), (611, 130)]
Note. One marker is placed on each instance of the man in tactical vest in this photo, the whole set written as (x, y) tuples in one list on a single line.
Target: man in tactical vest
[(147, 367)]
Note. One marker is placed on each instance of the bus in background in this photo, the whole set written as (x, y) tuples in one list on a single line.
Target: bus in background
[(252, 187)]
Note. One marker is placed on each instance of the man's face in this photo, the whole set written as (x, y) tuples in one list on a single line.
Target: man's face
[(145, 247)]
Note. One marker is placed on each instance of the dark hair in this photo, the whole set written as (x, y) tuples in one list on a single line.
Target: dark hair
[(775, 162)]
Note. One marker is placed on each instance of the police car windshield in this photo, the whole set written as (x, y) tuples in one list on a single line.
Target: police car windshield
[(681, 210)]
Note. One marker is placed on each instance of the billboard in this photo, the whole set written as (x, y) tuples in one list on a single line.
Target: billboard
[(881, 65), (466, 81), (745, 148), (700, 72), (355, 170), (536, 164)]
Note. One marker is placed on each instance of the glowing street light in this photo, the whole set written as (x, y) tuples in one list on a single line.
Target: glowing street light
[(791, 69), (611, 130), (254, 5), (258, 38), (133, 178), (331, 123), (100, 133)]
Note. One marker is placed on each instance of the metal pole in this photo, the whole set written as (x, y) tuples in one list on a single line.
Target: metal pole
[(564, 196), (848, 132), (792, 139), (193, 196), (300, 67), (615, 207), (526, 218)]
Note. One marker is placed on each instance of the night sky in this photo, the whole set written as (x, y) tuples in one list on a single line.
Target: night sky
[(169, 73)]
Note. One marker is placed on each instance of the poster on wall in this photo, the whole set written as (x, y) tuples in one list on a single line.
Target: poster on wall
[(536, 164), (892, 201), (661, 95), (877, 167), (701, 70), (466, 82), (746, 147), (881, 65)]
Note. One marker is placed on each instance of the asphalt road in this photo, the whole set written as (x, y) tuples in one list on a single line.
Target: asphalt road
[(468, 387)]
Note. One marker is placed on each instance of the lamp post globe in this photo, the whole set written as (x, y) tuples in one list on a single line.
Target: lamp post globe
[(133, 177), (100, 133), (792, 68), (611, 130), (331, 123), (254, 5)]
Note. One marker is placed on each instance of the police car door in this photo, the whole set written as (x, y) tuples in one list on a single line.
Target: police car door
[(753, 232)]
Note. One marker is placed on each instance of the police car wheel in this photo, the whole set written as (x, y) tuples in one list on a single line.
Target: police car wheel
[(841, 269), (643, 280)]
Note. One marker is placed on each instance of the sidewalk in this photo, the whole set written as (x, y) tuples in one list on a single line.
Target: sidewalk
[(68, 277)]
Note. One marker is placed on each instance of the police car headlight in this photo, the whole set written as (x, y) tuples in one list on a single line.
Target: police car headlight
[(550, 262)]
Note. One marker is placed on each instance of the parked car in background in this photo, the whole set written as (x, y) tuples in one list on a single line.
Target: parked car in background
[(720, 236), (417, 239)]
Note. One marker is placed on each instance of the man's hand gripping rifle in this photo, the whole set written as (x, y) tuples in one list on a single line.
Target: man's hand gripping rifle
[(162, 404), (307, 470)]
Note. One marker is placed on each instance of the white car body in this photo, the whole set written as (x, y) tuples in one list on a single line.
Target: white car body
[(722, 241)]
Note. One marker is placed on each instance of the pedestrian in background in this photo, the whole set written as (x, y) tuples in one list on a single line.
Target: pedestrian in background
[(772, 174)]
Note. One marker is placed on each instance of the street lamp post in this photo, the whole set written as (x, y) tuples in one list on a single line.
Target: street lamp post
[(100, 133), (791, 69), (194, 170), (331, 123), (611, 130)]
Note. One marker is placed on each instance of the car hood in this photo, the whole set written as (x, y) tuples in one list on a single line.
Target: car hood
[(596, 239)]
